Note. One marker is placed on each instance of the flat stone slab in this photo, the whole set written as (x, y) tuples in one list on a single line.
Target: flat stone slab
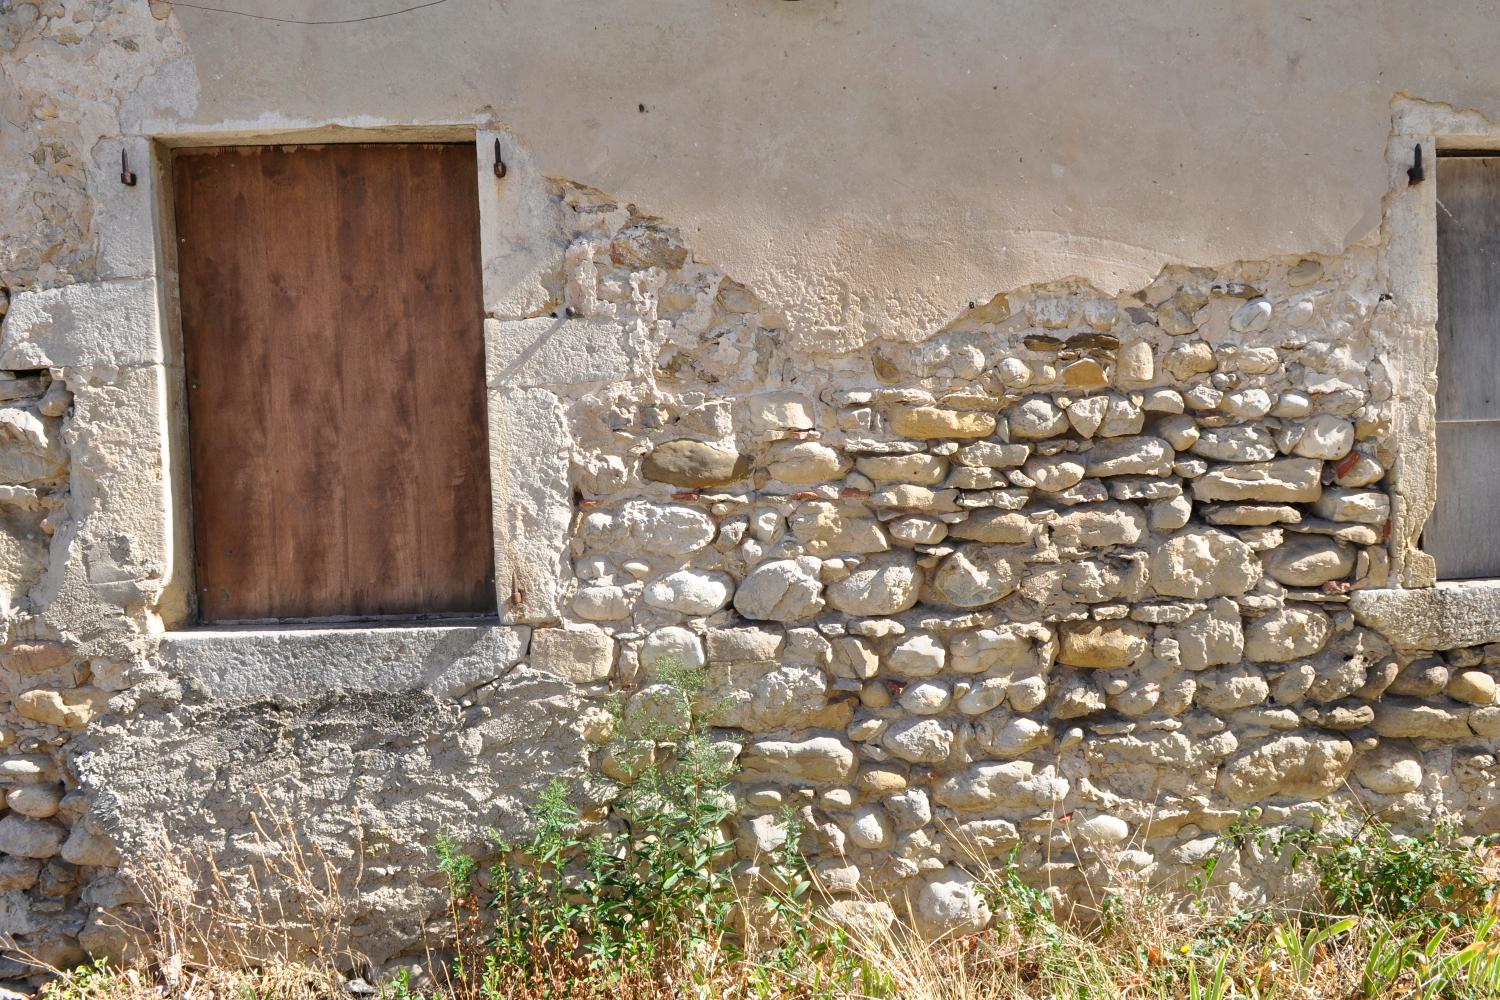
[(1447, 616), (291, 664)]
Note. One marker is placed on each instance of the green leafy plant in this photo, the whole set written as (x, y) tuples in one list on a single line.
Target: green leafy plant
[(90, 981), (608, 899), (1027, 908), (1427, 882)]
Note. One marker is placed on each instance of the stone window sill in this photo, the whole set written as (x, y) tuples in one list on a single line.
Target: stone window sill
[(1450, 615), (294, 663)]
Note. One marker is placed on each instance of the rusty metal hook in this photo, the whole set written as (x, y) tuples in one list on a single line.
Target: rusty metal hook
[(500, 168), (126, 176)]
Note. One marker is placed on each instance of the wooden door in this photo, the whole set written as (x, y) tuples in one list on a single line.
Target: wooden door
[(332, 323), (1463, 534)]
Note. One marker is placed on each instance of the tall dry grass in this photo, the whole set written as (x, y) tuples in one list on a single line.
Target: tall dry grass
[(200, 936)]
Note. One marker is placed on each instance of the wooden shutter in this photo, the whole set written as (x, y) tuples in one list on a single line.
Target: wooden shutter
[(1463, 534), (332, 324)]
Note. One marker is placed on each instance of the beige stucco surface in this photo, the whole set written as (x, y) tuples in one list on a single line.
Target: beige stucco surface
[(881, 163)]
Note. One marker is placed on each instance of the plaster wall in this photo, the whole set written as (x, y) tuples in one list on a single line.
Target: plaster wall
[(873, 165), (852, 218)]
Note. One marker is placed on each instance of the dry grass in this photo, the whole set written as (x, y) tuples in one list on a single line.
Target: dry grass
[(279, 928), (202, 936)]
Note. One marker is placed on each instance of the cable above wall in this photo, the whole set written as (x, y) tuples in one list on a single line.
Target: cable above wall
[(288, 20)]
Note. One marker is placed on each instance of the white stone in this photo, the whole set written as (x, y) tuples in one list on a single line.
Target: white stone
[(975, 575), (1231, 688), (1135, 364), (1304, 767), (584, 654), (1085, 415), (818, 760), (1203, 563), (24, 837), (1360, 506), (1102, 830), (1325, 436), (996, 785), (1054, 472), (1238, 443), (926, 697), (782, 590), (882, 585), (1121, 418), (661, 529), (1309, 561), (1193, 357), (602, 603), (984, 696), (672, 644), (1004, 647), (917, 530), (36, 801), (827, 529), (1001, 735), (1293, 480), (769, 411), (990, 454), (871, 829), (949, 905), (910, 809), (1179, 430), (1287, 634), (1252, 317), (1389, 771), (690, 591), (1170, 514), (920, 654), (1136, 456), (1036, 418), (921, 468), (805, 462), (1247, 404), (996, 527), (1099, 525), (920, 741)]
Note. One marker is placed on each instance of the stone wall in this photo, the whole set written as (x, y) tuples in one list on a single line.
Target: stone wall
[(1073, 574), (1081, 574)]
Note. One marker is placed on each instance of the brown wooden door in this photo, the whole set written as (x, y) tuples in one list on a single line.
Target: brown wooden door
[(333, 330), (1463, 534)]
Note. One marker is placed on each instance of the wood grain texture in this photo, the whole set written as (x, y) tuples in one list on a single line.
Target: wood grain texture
[(333, 330), (1463, 534), (1468, 227)]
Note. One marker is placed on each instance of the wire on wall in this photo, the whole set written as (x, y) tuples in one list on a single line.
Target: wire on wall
[(289, 20)]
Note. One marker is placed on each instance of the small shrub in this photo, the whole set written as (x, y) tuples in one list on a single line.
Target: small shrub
[(650, 888), (1427, 882)]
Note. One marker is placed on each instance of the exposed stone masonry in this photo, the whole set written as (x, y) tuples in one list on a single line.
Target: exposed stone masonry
[(1072, 574)]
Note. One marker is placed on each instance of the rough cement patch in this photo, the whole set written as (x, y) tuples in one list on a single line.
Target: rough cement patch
[(368, 778), (529, 353)]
